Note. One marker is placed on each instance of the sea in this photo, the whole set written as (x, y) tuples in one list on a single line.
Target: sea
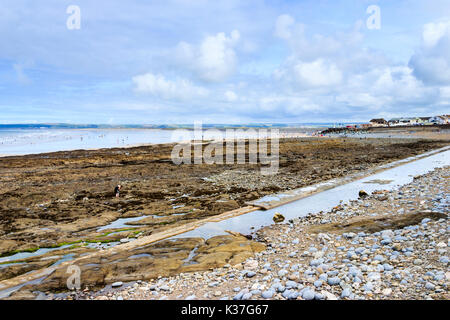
[(34, 139)]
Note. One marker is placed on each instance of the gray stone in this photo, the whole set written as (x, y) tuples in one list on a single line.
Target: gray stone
[(240, 295), (444, 260), (388, 267), (282, 273), (287, 293), (368, 286), (379, 257), (318, 283), (291, 284), (268, 294), (429, 286), (280, 288), (319, 296), (316, 262), (334, 281), (246, 296), (294, 295), (346, 293), (323, 277), (308, 294)]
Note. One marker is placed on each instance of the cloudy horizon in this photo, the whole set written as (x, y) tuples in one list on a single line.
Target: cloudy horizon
[(231, 62)]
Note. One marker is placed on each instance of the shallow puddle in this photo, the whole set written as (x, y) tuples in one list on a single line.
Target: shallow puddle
[(121, 223), (65, 258), (25, 255), (141, 255), (5, 293), (189, 260)]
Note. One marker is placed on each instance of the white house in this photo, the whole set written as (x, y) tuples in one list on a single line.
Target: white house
[(439, 119), (403, 122)]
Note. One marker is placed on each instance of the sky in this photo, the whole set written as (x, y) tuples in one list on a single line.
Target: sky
[(253, 61)]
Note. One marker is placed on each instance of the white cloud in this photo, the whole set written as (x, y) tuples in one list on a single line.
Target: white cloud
[(214, 59), (388, 89), (323, 70), (317, 73), (431, 63), (283, 26), (231, 96), (321, 61), (157, 85), (336, 74), (292, 105), (433, 32)]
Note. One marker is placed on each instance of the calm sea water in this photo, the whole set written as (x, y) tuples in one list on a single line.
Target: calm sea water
[(35, 140), (29, 141)]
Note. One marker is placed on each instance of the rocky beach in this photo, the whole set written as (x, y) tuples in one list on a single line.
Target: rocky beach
[(387, 245), (57, 209), (223, 159)]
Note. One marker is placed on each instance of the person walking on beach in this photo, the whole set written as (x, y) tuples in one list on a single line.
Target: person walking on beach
[(117, 190)]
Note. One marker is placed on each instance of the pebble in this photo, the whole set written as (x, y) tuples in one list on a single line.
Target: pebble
[(282, 273), (346, 293), (117, 284), (333, 281), (268, 294), (308, 294)]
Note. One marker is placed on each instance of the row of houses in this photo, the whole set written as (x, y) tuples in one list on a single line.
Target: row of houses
[(411, 121)]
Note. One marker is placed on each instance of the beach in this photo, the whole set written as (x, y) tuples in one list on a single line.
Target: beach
[(59, 208), (390, 245)]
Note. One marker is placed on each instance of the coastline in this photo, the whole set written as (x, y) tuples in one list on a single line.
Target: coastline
[(316, 266), (226, 239), (135, 145)]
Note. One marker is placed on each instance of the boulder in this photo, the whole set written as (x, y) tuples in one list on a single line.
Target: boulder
[(278, 217), (363, 194)]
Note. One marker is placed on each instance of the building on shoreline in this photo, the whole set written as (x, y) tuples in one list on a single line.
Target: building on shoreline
[(378, 122), (409, 121), (444, 119)]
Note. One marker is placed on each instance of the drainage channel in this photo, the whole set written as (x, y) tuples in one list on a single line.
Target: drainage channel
[(325, 200)]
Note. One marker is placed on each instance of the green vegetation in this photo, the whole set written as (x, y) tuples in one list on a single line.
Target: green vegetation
[(58, 245), (116, 231), (11, 262), (10, 253)]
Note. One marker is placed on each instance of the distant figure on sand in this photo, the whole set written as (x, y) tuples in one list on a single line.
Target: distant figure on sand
[(117, 190)]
